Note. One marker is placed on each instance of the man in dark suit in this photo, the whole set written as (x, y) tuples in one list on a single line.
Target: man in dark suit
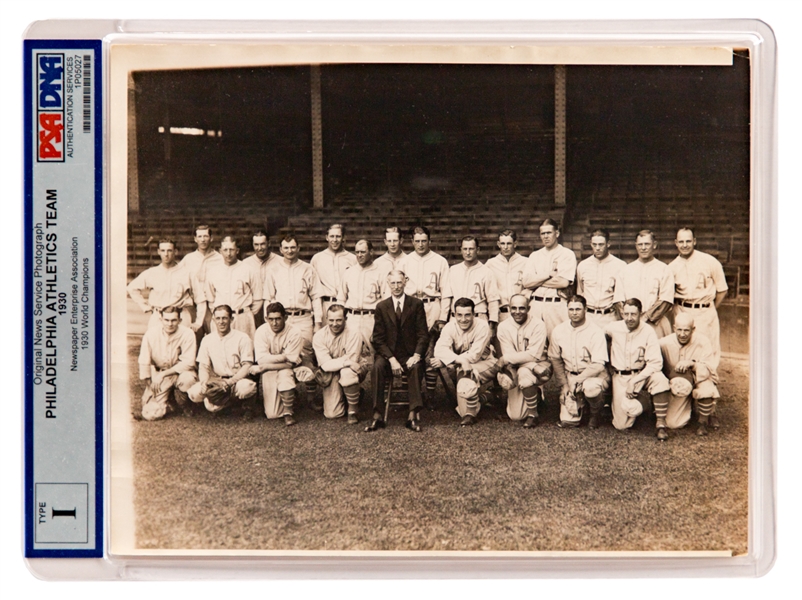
[(400, 337)]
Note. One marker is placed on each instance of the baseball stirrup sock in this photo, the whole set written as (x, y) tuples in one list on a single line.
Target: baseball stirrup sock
[(352, 396), (288, 400), (472, 406), (431, 382), (530, 399), (660, 402), (706, 406)]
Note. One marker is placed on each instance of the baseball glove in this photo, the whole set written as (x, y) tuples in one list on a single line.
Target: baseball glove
[(217, 391)]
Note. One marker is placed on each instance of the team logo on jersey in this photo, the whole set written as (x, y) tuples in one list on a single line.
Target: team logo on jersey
[(611, 284), (434, 283), (375, 293), (585, 355), (519, 283), (702, 283), (554, 266), (50, 107), (477, 296), (640, 362)]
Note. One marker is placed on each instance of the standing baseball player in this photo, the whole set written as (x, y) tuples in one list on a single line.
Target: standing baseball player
[(225, 358), (549, 273), (427, 280), (338, 349), (393, 240), (464, 349), (650, 281), (578, 353), (508, 266), (637, 366), (471, 279), (700, 288), (596, 278), (330, 265), (687, 362), (523, 367), (168, 284), (363, 285), (261, 261), (198, 264), (166, 363), (237, 285), (278, 352)]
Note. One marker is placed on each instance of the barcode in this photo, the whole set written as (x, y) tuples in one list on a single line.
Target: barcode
[(87, 93)]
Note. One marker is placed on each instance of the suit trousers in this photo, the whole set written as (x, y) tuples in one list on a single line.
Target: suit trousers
[(379, 379)]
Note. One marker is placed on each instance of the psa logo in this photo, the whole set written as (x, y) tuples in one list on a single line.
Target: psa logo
[(50, 107)]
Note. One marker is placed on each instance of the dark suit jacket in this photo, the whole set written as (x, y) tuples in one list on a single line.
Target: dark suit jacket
[(402, 340)]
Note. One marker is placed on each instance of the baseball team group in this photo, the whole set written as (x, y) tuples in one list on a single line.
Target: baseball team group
[(231, 332)]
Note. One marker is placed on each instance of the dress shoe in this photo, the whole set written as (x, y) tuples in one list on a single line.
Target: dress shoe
[(662, 434), (413, 425), (701, 430), (593, 422), (713, 422), (467, 421), (289, 420), (568, 424), (530, 422), (375, 424), (352, 419)]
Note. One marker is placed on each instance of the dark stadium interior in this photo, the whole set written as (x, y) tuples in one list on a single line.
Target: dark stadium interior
[(464, 148)]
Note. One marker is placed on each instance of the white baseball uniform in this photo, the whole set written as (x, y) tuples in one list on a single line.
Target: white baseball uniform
[(330, 268), (548, 303), (224, 356), (649, 282), (429, 282), (262, 268), (390, 263), (198, 265), (161, 351), (361, 289), (167, 286), (266, 344), (697, 280), (523, 347), (509, 280), (477, 283), (238, 286), (332, 351), (595, 281), (297, 287)]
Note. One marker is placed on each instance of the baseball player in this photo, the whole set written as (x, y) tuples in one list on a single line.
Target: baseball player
[(687, 362), (278, 352), (168, 284), (508, 266), (260, 261), (650, 281), (596, 278), (338, 349), (330, 265), (471, 279), (166, 363), (427, 279), (699, 289), (578, 354), (198, 264), (523, 367), (237, 285), (637, 365), (393, 240), (464, 349), (549, 273), (225, 354), (363, 285)]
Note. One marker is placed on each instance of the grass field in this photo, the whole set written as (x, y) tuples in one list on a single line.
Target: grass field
[(217, 482)]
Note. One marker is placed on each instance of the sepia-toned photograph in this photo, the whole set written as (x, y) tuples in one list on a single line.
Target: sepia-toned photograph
[(434, 306)]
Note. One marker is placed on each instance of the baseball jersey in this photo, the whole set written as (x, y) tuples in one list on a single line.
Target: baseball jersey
[(454, 342), (333, 350), (262, 268), (559, 261), (167, 351), (287, 342), (697, 278), (521, 344), (295, 285), (698, 349), (389, 263), (596, 280), (578, 347), (168, 287), (428, 278), (478, 284), (198, 266), (648, 282), (634, 350), (330, 267), (362, 287), (509, 276), (237, 285), (226, 355)]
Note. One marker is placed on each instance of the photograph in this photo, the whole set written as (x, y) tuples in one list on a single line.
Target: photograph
[(437, 302)]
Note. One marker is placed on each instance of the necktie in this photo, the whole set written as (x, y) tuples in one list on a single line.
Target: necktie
[(398, 311)]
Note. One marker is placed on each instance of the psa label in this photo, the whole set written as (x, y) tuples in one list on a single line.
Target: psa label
[(50, 107)]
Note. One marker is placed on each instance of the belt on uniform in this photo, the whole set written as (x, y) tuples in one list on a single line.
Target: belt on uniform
[(427, 299), (628, 371), (295, 312), (328, 298), (692, 305), (504, 309), (600, 311), (542, 299), (360, 311), (575, 372), (238, 312)]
